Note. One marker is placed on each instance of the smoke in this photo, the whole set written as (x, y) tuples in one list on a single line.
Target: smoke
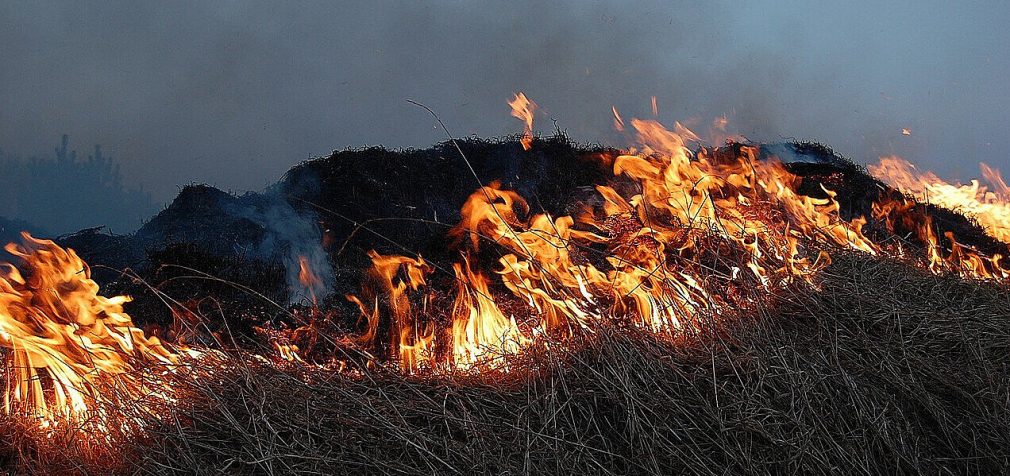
[(234, 93), (292, 237)]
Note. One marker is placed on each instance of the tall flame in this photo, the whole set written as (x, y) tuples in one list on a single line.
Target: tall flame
[(523, 109), (69, 350)]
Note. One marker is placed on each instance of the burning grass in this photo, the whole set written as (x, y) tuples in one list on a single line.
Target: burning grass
[(702, 310), (886, 369)]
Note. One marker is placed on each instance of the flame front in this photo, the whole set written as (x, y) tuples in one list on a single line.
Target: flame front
[(677, 236), (697, 234), (674, 237), (991, 207), (70, 351)]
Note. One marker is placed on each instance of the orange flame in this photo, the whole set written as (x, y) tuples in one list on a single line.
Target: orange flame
[(308, 278), (991, 208), (690, 208), (71, 351), (482, 336), (677, 236), (523, 109)]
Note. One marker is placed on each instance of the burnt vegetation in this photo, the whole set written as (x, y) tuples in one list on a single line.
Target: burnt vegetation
[(883, 368)]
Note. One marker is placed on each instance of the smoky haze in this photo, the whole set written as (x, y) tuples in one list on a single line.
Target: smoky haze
[(234, 93)]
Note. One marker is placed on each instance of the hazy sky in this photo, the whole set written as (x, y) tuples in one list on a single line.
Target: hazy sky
[(234, 93)]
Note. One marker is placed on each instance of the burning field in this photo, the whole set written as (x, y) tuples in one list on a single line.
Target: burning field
[(526, 306)]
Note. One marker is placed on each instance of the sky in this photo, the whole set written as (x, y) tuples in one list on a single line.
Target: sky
[(233, 93)]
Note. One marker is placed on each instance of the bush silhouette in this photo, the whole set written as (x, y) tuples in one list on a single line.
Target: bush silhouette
[(64, 194)]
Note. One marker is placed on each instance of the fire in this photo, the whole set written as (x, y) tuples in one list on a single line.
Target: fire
[(990, 207), (523, 109), (70, 353), (306, 331), (679, 234), (481, 334), (941, 256), (308, 278), (288, 352), (389, 280), (699, 233)]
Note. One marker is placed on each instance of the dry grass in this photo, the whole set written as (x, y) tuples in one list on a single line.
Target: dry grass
[(886, 369)]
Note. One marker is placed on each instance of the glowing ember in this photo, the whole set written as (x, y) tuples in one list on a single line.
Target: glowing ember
[(523, 109)]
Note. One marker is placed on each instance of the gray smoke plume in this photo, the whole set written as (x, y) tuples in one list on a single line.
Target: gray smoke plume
[(291, 236)]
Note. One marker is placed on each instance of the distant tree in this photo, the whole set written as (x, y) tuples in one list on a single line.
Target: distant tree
[(64, 194)]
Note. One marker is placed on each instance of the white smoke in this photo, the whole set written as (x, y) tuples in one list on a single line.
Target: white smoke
[(289, 236)]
